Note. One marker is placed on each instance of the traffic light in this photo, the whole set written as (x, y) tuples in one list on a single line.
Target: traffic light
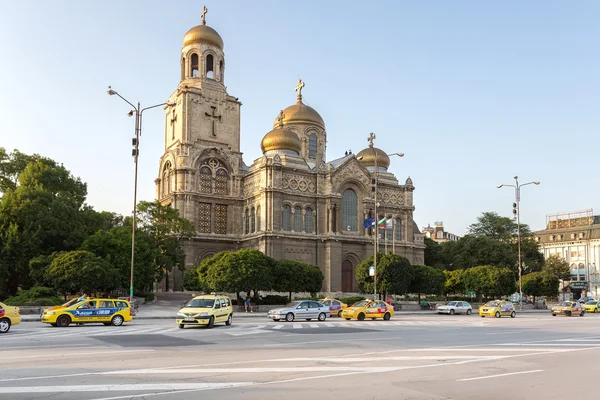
[(515, 209)]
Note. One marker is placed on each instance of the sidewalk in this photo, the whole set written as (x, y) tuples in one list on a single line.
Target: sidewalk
[(161, 312)]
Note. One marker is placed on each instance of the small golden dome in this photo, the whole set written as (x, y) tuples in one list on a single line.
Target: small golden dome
[(300, 113), (203, 34), (281, 138), (368, 157)]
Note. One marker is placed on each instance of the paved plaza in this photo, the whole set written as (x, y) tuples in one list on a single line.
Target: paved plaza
[(409, 357)]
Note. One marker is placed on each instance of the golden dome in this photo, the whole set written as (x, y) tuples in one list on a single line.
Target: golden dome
[(203, 34), (300, 113), (281, 138), (368, 157)]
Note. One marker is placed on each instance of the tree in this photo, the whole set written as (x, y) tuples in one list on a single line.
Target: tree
[(312, 279), (241, 271), (166, 228), (454, 282), (489, 281), (289, 277), (427, 280), (471, 251), (531, 256), (556, 267), (433, 253), (195, 279), (82, 270), (493, 226), (41, 215), (11, 165), (114, 246), (540, 284), (394, 274)]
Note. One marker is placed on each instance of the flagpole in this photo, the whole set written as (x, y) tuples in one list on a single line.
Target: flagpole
[(393, 235), (385, 234)]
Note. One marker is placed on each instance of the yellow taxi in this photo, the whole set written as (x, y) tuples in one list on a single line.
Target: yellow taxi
[(592, 306), (335, 306), (206, 310), (90, 311), (568, 308), (368, 309), (497, 308), (69, 303), (9, 316)]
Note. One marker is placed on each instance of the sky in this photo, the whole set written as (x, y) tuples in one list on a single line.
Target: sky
[(472, 92)]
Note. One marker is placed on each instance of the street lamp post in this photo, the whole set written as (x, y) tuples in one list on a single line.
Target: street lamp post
[(518, 213), (135, 153), (376, 232)]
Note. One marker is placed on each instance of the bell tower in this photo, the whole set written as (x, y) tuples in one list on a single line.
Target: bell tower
[(205, 114)]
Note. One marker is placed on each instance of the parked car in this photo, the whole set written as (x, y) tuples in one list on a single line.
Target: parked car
[(455, 307), (497, 308), (303, 309), (568, 308), (9, 316), (368, 309), (205, 310)]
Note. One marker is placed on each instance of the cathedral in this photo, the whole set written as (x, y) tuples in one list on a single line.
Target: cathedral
[(291, 203)]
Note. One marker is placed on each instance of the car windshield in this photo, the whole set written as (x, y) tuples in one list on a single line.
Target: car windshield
[(452, 303), (565, 304), (293, 304), (492, 304), (70, 302), (592, 303), (360, 304), (200, 303)]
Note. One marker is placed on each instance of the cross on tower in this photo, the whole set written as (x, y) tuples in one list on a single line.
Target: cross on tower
[(280, 118), (204, 11), (214, 118), (173, 119), (371, 138), (298, 89)]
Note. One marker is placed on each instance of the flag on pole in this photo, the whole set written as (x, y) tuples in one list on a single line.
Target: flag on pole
[(389, 224), (368, 223), (381, 224)]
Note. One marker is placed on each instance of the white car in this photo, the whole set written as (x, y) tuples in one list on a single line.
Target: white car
[(455, 307)]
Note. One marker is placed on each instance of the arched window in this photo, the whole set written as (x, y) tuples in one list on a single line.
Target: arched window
[(389, 228), (258, 219), (166, 179), (194, 66), (312, 145), (221, 71), (349, 210), (221, 181), (308, 220), (287, 216), (398, 229), (247, 223), (252, 220), (210, 66), (205, 180), (297, 219)]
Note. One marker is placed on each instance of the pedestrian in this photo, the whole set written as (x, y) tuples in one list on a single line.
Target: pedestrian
[(248, 305)]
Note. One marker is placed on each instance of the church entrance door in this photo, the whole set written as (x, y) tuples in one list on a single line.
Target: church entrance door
[(347, 277)]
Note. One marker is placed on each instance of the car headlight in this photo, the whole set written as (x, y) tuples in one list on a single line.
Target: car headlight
[(180, 314), (50, 313), (204, 314)]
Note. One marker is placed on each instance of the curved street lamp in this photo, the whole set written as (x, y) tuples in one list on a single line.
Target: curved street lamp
[(138, 111), (517, 209)]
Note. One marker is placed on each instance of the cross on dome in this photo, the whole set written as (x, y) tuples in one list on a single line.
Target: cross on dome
[(298, 89), (371, 138), (280, 118), (204, 11)]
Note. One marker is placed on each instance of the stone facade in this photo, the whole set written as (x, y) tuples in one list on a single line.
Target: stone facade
[(290, 203)]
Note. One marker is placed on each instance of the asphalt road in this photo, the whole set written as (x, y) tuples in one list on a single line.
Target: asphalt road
[(410, 357)]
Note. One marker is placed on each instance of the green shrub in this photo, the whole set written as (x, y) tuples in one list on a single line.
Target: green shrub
[(351, 300), (36, 296)]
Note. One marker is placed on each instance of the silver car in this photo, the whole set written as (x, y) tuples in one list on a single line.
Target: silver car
[(302, 309), (455, 307)]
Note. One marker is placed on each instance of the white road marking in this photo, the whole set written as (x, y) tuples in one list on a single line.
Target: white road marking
[(503, 333), (248, 332), (278, 327), (261, 326), (297, 326), (313, 325), (496, 376), (95, 353), (180, 371), (329, 324), (327, 341), (126, 387)]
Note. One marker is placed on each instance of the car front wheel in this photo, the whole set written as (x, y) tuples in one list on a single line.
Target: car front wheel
[(322, 317), (63, 321), (211, 322), (229, 320), (469, 312), (387, 316), (289, 317), (4, 325), (513, 314), (361, 317), (452, 312), (497, 314)]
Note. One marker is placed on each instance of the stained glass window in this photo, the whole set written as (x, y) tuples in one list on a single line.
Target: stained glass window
[(349, 210), (221, 219), (312, 145), (308, 220), (204, 218), (258, 219), (287, 215), (297, 219), (398, 229), (252, 220), (221, 181), (205, 180), (246, 222)]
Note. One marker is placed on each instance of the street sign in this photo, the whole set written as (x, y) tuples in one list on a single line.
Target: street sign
[(371, 270)]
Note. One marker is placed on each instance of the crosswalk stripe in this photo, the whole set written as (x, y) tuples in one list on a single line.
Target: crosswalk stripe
[(261, 326), (278, 326), (329, 324), (312, 325), (297, 326)]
